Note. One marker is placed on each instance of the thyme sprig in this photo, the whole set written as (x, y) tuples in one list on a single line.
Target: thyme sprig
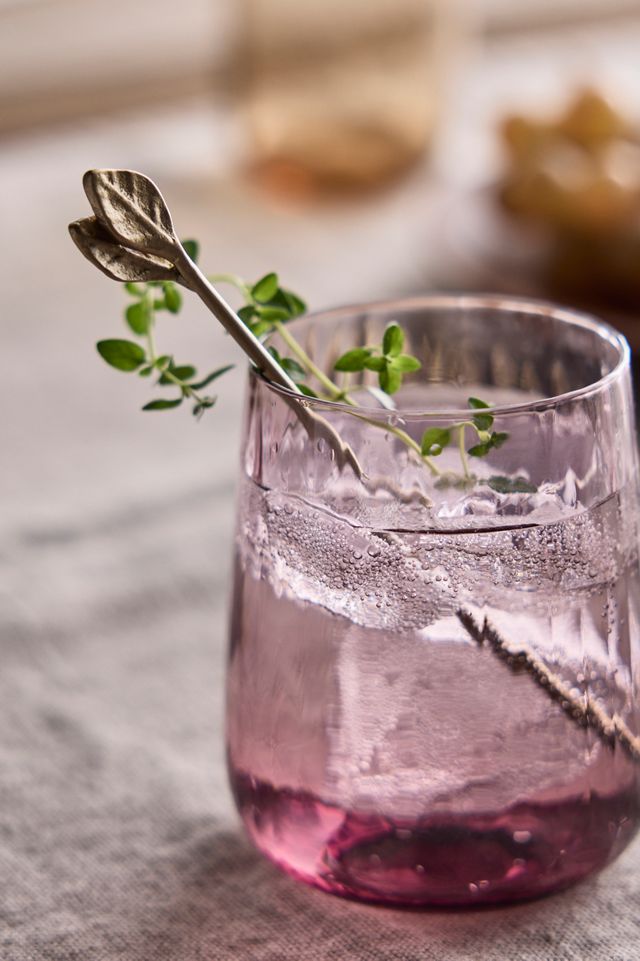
[(140, 316), (386, 359), (131, 238), (267, 308)]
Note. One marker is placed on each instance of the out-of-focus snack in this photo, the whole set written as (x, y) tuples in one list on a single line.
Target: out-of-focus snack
[(577, 178), (579, 172)]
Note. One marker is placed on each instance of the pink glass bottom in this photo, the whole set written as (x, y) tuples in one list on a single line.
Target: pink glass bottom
[(524, 852)]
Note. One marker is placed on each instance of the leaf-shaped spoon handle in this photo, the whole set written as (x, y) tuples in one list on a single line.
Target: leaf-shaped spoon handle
[(130, 210), (132, 237), (114, 260)]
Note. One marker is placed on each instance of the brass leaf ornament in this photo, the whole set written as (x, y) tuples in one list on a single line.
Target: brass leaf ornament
[(132, 238), (118, 262), (133, 210), (131, 214)]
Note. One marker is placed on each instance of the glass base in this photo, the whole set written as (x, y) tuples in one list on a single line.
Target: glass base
[(525, 852)]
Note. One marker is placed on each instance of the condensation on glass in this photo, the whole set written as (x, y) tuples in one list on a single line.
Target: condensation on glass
[(390, 736)]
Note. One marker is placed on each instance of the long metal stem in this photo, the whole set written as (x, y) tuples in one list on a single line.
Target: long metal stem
[(263, 360), (250, 344)]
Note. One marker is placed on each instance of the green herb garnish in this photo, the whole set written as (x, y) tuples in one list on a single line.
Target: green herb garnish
[(386, 359), (267, 308), (131, 238)]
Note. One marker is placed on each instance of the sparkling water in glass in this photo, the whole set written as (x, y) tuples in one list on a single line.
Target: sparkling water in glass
[(433, 685)]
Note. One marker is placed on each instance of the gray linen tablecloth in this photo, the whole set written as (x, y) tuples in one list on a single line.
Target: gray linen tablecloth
[(118, 838)]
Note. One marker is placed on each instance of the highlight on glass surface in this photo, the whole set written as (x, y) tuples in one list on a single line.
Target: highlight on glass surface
[(433, 675)]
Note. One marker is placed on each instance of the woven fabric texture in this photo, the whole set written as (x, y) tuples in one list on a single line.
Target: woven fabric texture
[(118, 838)]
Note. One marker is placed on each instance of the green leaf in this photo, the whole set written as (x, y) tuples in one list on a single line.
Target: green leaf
[(393, 340), (493, 441), (293, 368), (483, 421), (272, 313), (511, 485), (247, 313), (212, 376), (307, 391), (136, 290), (265, 288), (192, 248), (480, 450), (201, 405), (295, 304), (139, 316), (185, 372), (172, 298), (260, 328), (121, 354), (161, 363), (405, 363), (375, 363), (390, 380), (286, 302), (434, 440), (162, 404), (145, 371), (353, 360)]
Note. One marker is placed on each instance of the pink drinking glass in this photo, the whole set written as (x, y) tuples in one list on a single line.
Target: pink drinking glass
[(433, 681)]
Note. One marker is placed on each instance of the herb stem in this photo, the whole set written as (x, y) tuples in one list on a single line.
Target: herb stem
[(336, 393), (150, 339), (466, 423), (234, 281), (463, 454), (332, 389), (184, 387), (186, 390), (333, 392), (405, 438)]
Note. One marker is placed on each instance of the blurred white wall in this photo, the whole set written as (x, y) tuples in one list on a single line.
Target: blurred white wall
[(61, 58), (67, 58)]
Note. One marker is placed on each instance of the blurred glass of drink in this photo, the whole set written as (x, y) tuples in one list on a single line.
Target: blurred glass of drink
[(341, 94)]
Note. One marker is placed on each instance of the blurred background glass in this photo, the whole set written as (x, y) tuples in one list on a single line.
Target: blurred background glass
[(342, 94)]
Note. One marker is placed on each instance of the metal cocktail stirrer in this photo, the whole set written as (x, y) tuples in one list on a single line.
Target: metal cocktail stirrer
[(131, 238)]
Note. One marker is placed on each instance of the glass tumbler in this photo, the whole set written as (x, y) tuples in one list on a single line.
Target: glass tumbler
[(343, 95), (435, 660)]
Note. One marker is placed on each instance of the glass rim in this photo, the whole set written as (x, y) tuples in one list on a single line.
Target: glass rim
[(544, 308)]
